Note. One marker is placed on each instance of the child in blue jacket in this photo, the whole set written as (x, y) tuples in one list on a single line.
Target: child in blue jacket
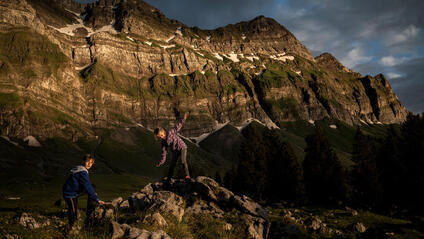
[(78, 183)]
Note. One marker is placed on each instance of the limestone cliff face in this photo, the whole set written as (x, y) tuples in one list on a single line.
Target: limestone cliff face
[(71, 68)]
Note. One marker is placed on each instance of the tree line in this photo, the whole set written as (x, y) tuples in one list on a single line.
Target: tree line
[(387, 175)]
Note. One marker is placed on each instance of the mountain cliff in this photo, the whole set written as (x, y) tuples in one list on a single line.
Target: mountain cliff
[(68, 69)]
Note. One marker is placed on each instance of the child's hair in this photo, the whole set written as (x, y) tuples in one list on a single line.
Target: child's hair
[(87, 157), (157, 130)]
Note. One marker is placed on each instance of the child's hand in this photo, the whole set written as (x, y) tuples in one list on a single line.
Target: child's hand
[(159, 164), (185, 115), (101, 202)]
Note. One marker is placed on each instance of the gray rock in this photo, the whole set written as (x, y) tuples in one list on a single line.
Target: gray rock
[(116, 202), (258, 227), (29, 222), (103, 212), (138, 201), (168, 202), (124, 206), (359, 227), (197, 196), (228, 227), (148, 189), (246, 204), (136, 233), (201, 207), (117, 231), (155, 218), (11, 236), (313, 223)]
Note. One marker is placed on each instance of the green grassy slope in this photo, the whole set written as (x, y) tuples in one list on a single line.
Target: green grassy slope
[(125, 162)]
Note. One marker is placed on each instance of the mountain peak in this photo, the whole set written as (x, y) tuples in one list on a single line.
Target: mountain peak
[(262, 24), (329, 61), (263, 19)]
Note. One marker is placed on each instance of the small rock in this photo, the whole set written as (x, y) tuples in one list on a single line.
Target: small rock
[(155, 218), (326, 230), (285, 213), (313, 223), (135, 233), (108, 213), (359, 227), (124, 206), (228, 227), (117, 201), (11, 236), (337, 232), (28, 221), (103, 212), (32, 141), (148, 189)]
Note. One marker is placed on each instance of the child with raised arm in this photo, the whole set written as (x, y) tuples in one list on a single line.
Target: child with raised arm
[(178, 147), (77, 184)]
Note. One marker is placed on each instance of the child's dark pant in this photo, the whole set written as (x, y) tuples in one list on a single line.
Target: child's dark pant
[(73, 209), (175, 156)]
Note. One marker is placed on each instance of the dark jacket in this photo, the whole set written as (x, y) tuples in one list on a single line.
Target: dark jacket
[(77, 183)]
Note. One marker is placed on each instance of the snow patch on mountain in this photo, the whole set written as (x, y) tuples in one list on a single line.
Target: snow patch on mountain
[(217, 56), (282, 57)]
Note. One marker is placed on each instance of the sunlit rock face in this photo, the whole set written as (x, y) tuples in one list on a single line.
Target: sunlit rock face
[(67, 69)]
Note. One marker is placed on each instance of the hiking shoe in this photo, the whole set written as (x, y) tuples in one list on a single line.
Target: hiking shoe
[(187, 177)]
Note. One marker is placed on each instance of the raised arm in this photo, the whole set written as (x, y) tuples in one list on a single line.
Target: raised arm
[(179, 125)]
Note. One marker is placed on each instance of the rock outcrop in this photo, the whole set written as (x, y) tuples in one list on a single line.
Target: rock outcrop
[(73, 68), (28, 221), (181, 199)]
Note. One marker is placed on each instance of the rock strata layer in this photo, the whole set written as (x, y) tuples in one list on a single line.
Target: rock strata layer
[(67, 69)]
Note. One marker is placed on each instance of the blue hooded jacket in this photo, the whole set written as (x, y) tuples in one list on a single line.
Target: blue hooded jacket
[(78, 182)]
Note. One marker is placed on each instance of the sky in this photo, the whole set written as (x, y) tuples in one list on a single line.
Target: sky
[(368, 36)]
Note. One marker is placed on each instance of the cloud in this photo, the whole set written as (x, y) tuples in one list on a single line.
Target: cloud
[(393, 75), (407, 34), (388, 61), (354, 57)]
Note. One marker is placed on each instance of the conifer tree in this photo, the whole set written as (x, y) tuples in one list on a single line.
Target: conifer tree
[(391, 170), (365, 179), (324, 176), (284, 171), (251, 171), (412, 151)]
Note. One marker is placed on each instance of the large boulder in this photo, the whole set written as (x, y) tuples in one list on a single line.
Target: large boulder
[(184, 198)]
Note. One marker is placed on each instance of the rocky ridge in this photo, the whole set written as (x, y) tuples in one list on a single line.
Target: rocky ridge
[(184, 199), (117, 62)]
